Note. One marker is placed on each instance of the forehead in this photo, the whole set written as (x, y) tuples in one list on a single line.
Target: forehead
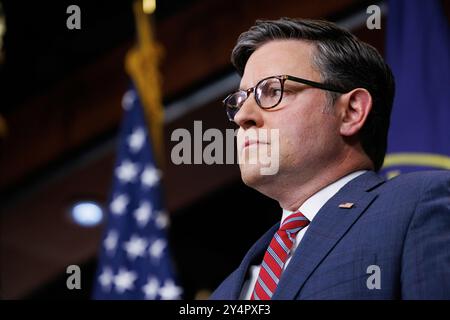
[(293, 57)]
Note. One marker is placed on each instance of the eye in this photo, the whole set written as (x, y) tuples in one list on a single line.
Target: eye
[(274, 92), (271, 89)]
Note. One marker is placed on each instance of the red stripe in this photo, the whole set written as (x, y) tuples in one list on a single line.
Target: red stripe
[(283, 235), (260, 292), (272, 264), (294, 224), (279, 250), (267, 279)]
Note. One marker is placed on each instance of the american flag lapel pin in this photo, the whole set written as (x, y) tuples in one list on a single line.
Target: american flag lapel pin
[(346, 205)]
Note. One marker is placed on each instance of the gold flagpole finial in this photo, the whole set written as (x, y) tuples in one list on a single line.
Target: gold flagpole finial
[(142, 64), (149, 6)]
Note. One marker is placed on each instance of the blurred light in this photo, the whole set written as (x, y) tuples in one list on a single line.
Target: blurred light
[(149, 6), (3, 128), (86, 213), (2, 31)]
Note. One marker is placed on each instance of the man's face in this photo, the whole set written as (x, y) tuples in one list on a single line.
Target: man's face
[(308, 131)]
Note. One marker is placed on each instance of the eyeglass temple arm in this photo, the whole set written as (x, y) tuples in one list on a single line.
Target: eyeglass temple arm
[(315, 84)]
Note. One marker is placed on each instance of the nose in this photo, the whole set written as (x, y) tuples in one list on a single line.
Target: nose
[(249, 115)]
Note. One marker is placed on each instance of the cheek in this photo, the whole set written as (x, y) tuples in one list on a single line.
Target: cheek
[(294, 141), (305, 137), (298, 122), (303, 127)]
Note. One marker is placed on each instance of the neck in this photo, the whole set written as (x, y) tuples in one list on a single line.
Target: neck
[(294, 194), (296, 199)]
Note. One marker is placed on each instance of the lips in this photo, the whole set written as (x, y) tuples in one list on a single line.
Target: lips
[(248, 142)]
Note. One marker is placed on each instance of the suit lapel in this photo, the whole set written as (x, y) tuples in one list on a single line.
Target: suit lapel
[(327, 228), (253, 256)]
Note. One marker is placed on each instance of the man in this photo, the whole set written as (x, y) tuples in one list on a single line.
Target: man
[(345, 232)]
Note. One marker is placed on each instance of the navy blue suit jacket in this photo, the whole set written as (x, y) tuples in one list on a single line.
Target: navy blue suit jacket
[(401, 226)]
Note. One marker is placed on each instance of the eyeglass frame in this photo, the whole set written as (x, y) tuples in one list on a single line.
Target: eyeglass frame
[(282, 79)]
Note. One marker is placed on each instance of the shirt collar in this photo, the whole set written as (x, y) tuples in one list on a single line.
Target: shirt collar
[(314, 203)]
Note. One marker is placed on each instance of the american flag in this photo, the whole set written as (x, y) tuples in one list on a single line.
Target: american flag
[(135, 261)]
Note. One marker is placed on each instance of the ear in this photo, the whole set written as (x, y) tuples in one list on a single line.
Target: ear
[(355, 109)]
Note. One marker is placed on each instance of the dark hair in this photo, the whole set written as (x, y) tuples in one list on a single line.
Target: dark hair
[(342, 61)]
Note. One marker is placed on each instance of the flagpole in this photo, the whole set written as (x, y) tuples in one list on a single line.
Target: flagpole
[(141, 63)]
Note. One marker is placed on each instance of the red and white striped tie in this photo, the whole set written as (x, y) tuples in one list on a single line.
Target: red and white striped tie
[(276, 256)]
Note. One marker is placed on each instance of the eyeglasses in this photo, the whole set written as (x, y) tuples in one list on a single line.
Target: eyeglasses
[(268, 93)]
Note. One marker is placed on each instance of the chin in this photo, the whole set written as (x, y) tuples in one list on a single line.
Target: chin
[(252, 177), (250, 174)]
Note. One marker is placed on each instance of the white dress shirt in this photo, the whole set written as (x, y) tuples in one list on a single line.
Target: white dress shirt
[(309, 209)]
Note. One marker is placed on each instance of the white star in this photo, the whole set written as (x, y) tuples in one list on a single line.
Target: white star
[(162, 219), (124, 280), (119, 204), (143, 213), (136, 140), (151, 288), (135, 247), (128, 99), (170, 291), (156, 248), (110, 241), (150, 176), (127, 171), (106, 278)]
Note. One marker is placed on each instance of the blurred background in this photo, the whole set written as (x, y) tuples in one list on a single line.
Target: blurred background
[(61, 109)]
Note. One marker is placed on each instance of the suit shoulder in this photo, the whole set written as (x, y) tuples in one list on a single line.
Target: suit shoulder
[(420, 180), (410, 189), (413, 194)]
